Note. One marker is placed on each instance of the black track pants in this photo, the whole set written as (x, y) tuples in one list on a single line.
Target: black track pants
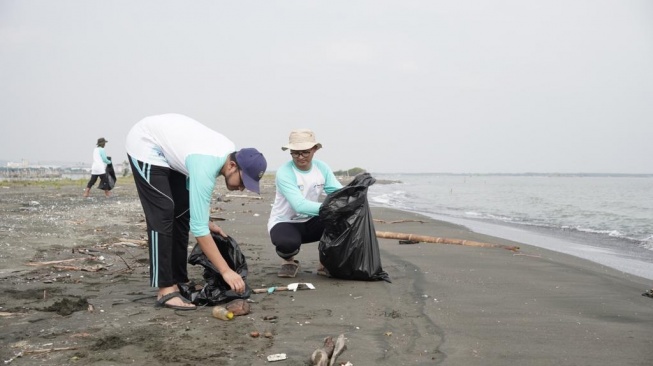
[(287, 237), (165, 201)]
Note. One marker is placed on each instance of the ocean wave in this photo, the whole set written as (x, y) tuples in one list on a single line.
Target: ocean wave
[(529, 202), (647, 244)]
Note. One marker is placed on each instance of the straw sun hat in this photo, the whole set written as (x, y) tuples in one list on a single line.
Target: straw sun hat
[(302, 139)]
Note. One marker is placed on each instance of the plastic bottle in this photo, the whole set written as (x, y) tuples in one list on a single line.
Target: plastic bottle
[(221, 312)]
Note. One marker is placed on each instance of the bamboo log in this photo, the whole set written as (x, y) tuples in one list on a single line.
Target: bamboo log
[(243, 196), (266, 290), (398, 221), (59, 261), (290, 287), (438, 240)]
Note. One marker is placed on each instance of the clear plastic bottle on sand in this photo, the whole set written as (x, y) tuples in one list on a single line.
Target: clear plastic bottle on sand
[(221, 312)]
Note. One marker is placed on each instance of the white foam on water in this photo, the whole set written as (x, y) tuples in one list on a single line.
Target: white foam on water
[(604, 256)]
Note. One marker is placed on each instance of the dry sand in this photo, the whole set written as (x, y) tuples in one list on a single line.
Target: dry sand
[(447, 304)]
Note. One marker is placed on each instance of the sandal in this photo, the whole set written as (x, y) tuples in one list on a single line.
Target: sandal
[(289, 270), (323, 272), (163, 302)]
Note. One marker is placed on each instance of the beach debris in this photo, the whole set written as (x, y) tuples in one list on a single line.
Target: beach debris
[(290, 287), (328, 354), (270, 317), (648, 293), (38, 351), (254, 334), (398, 221), (238, 307), (268, 334), (243, 196), (277, 357), (301, 286), (60, 261), (134, 243), (527, 255), (438, 240), (321, 356), (339, 349), (93, 268), (220, 312)]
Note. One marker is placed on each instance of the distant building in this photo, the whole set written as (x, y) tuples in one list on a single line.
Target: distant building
[(22, 164)]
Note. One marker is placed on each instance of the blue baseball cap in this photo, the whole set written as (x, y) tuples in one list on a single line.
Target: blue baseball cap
[(252, 165)]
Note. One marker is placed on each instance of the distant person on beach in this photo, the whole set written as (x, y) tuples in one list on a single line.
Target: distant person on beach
[(294, 219), (110, 180), (99, 167), (175, 161)]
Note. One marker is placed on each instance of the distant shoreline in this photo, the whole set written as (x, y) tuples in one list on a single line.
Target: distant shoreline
[(49, 172), (606, 175)]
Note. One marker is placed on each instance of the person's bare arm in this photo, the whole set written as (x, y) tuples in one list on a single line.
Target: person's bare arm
[(211, 251), (217, 229)]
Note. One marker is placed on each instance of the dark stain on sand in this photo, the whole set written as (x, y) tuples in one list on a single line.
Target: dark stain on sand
[(66, 306), (108, 343)]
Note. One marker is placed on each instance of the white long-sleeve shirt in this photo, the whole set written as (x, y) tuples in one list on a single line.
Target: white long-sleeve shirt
[(184, 145)]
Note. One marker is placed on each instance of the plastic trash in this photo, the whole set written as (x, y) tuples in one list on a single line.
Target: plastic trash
[(220, 312), (277, 357), (349, 248), (301, 286)]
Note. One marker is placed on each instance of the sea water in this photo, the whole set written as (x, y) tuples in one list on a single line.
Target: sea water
[(605, 219)]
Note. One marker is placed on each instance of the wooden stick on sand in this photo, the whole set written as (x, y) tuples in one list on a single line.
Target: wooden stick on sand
[(437, 240)]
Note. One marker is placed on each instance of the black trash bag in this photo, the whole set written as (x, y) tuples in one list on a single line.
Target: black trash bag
[(349, 248), (109, 182), (216, 290)]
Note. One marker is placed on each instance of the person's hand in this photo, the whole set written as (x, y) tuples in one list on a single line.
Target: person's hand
[(217, 229), (234, 281)]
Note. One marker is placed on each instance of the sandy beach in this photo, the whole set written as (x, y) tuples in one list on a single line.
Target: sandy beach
[(73, 279)]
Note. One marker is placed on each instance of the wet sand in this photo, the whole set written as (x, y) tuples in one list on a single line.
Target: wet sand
[(447, 304)]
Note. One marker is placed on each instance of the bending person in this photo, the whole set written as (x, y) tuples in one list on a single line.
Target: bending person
[(176, 161)]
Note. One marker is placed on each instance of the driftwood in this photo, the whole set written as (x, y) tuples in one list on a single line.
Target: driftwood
[(130, 243), (38, 351), (340, 347), (437, 240), (59, 261), (328, 354), (243, 196), (321, 356), (398, 221), (94, 268), (266, 290), (291, 287)]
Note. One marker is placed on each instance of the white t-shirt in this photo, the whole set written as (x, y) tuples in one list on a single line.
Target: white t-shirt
[(298, 192), (186, 146), (99, 166), (168, 139)]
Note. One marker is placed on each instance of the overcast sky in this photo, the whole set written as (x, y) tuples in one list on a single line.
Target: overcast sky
[(389, 86)]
